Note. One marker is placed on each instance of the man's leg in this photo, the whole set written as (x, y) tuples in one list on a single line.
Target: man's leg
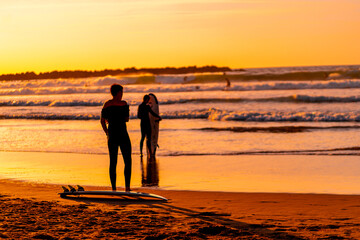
[(143, 134), (125, 148), (113, 153)]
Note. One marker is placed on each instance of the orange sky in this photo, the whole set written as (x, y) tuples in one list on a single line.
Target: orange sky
[(43, 35)]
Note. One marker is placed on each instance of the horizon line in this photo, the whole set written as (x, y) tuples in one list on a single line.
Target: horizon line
[(139, 68)]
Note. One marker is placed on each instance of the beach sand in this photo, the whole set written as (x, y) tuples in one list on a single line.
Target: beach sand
[(35, 210)]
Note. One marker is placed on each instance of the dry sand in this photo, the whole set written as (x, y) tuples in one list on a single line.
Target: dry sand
[(35, 211)]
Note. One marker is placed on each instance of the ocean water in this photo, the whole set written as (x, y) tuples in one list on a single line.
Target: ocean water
[(302, 111)]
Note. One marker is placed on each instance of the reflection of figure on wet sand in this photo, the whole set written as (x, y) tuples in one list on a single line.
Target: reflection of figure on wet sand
[(149, 172)]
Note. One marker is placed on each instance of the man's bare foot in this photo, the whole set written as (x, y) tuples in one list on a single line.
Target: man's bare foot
[(127, 189), (114, 190)]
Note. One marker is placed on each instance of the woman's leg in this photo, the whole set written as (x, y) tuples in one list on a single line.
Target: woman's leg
[(148, 138), (142, 139)]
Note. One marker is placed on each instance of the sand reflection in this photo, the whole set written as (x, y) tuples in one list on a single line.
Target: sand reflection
[(149, 172)]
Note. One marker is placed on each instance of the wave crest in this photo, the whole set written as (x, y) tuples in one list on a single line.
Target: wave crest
[(215, 115), (61, 87)]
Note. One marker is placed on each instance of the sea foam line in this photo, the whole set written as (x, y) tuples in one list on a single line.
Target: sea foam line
[(214, 115), (238, 86), (293, 98), (349, 151), (277, 129)]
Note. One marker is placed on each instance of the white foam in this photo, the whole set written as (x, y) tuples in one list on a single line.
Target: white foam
[(319, 99), (214, 115), (174, 79), (252, 86)]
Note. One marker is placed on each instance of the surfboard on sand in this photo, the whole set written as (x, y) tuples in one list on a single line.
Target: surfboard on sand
[(111, 193), (154, 123)]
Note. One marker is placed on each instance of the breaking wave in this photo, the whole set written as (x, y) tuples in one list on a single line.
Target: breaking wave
[(91, 103), (56, 87), (279, 129), (215, 115), (349, 151), (50, 103), (222, 115)]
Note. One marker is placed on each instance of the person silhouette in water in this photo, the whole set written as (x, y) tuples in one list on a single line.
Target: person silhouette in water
[(143, 113), (114, 115), (228, 83)]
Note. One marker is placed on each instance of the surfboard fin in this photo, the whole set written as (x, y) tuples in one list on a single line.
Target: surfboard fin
[(72, 189), (65, 189)]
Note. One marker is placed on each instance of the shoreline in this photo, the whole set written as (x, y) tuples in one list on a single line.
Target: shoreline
[(37, 211), (192, 214)]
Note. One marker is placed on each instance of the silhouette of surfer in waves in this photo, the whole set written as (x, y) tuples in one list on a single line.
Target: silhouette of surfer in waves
[(228, 83), (143, 113), (114, 115)]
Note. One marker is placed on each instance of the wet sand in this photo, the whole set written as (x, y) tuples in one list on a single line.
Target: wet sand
[(233, 173), (34, 210)]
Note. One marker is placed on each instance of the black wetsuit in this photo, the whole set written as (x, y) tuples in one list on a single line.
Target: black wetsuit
[(118, 136), (143, 114)]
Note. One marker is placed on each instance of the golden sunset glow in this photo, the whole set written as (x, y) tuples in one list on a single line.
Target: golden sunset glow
[(92, 35)]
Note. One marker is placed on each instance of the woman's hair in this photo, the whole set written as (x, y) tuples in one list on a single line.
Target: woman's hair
[(115, 89), (146, 98), (154, 97)]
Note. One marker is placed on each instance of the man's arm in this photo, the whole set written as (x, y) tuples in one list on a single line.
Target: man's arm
[(103, 120), (153, 113), (104, 126)]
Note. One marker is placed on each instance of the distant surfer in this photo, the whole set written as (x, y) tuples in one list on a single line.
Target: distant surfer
[(228, 83), (143, 113), (114, 115)]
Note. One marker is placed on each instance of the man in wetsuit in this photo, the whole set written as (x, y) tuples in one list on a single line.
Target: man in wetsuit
[(114, 115), (143, 113)]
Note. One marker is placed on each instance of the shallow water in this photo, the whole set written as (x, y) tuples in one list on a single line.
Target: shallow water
[(186, 137)]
